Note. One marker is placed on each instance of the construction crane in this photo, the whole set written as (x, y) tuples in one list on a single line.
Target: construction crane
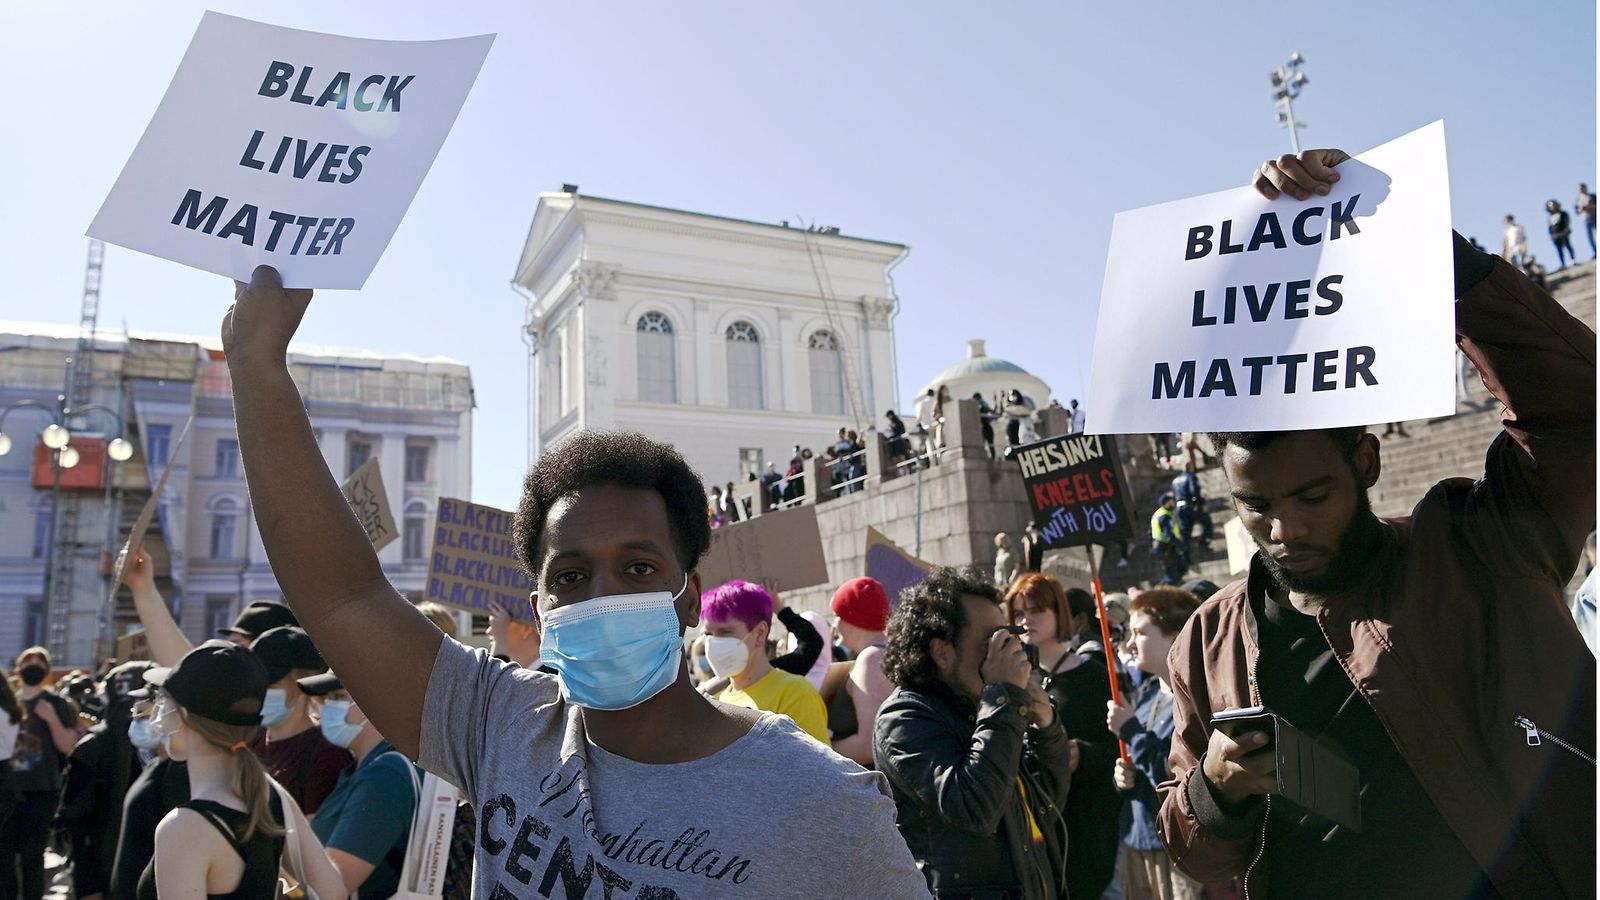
[(65, 538)]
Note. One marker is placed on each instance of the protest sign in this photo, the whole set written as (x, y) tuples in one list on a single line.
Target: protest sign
[(474, 561), (131, 646), (893, 567), (781, 549), (288, 148), (1231, 312), (142, 524), (1076, 490), (370, 503)]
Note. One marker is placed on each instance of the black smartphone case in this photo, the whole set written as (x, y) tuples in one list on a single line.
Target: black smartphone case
[(1314, 776)]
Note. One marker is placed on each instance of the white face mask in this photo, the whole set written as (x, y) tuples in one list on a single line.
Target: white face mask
[(728, 656)]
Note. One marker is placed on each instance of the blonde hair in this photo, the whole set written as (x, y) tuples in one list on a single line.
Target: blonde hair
[(250, 782), (441, 616), (1002, 540)]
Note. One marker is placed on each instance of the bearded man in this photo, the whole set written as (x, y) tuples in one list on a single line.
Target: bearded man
[(1435, 651)]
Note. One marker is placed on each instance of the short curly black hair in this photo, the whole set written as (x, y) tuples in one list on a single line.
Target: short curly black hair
[(614, 457), (1345, 439), (930, 609)]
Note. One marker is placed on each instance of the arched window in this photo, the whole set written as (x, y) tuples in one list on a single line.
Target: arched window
[(746, 390), (827, 374), (224, 519), (415, 529), (658, 360)]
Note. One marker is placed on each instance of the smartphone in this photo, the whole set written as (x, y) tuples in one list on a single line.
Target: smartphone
[(1242, 720)]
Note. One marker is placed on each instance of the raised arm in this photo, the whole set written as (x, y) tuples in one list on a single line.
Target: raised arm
[(808, 643), (167, 642), (381, 646)]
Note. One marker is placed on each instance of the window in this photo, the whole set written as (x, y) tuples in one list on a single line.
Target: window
[(158, 445), (360, 452), (749, 462), (827, 374), (416, 463), (227, 458), (43, 522), (33, 623), (658, 360), (416, 531), (224, 517), (745, 388), (219, 613)]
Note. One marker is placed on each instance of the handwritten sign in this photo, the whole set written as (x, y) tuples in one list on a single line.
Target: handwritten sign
[(370, 503), (475, 562), (892, 566), (142, 524), (1076, 490), (289, 148), (783, 549), (1231, 312)]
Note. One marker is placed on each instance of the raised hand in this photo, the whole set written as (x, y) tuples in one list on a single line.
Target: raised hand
[(263, 318), (1299, 175)]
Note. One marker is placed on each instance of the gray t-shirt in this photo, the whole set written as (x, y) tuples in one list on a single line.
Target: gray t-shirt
[(772, 815)]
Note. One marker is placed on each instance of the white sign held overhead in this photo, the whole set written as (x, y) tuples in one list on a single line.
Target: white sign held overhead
[(288, 148), (1231, 312)]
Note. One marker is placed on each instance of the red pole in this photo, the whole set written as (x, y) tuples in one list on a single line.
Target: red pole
[(1105, 639)]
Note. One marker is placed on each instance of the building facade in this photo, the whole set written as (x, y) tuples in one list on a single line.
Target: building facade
[(732, 340), (414, 414)]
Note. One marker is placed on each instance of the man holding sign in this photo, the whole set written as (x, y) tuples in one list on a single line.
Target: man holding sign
[(615, 777), (1432, 654)]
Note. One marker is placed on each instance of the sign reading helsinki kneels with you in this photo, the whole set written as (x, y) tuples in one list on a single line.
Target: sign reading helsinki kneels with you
[(288, 148), (1231, 312)]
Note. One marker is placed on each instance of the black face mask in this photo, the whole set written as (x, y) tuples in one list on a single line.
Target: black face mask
[(33, 676)]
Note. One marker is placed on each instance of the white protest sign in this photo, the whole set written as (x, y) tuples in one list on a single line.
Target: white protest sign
[(1230, 312), (288, 148)]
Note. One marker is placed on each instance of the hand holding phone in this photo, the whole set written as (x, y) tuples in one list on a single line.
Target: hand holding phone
[(1233, 764)]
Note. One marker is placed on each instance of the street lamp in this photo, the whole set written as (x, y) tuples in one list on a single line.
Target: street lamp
[(1287, 81), (56, 437)]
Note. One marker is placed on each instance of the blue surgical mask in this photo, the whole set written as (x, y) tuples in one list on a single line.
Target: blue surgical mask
[(142, 734), (614, 652), (275, 708), (336, 726)]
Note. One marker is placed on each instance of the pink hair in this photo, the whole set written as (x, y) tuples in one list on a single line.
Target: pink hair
[(740, 601)]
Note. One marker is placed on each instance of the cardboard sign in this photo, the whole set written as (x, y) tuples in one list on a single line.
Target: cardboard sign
[(892, 566), (475, 562), (131, 646), (142, 524), (1076, 490), (783, 549), (1231, 312), (370, 503), (288, 148)]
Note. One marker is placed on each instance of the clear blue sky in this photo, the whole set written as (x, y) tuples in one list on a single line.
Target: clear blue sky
[(996, 139)]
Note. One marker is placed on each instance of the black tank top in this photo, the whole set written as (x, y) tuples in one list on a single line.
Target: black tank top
[(260, 854)]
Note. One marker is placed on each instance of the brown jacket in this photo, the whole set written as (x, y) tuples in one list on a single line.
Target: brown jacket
[(1462, 631)]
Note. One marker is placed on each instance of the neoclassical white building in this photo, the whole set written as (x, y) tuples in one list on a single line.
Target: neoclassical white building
[(732, 340)]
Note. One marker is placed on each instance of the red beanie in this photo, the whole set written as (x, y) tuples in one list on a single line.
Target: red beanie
[(863, 603)]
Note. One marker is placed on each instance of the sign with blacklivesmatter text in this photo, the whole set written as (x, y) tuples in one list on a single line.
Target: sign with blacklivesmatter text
[(475, 560), (1076, 490), (1231, 312), (288, 148)]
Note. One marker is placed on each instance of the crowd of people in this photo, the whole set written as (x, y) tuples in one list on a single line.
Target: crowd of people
[(1559, 225), (646, 735)]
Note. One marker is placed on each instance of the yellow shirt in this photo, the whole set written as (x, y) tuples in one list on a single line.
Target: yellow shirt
[(785, 694)]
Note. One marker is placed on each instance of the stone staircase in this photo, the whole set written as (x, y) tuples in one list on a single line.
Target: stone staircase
[(1435, 449)]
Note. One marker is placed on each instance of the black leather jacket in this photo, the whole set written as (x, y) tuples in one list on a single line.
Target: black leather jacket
[(953, 768)]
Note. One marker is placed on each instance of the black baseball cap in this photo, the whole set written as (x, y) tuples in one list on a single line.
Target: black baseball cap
[(216, 680), (260, 617), (123, 680), (284, 649), (320, 685)]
